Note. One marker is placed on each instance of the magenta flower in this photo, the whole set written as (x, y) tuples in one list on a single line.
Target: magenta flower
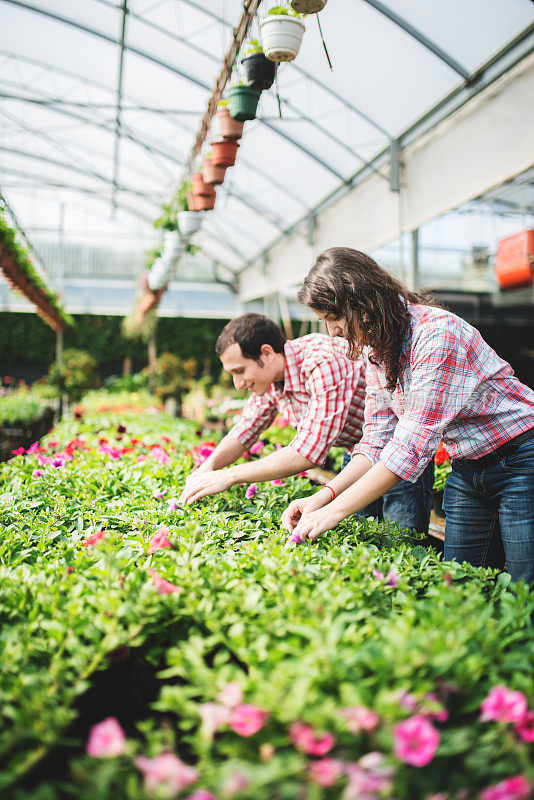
[(503, 705), (416, 741), (278, 482), (19, 451), (326, 771), (165, 774), (213, 716), (160, 454), (231, 694), (43, 460), (106, 739), (173, 504), (201, 794), (304, 738), (163, 586), (282, 422), (251, 491), (247, 719), (161, 494), (516, 788), (360, 718), (525, 727), (160, 540), (37, 473), (368, 777), (378, 575), (140, 459), (256, 448), (433, 709), (392, 579), (33, 448), (93, 538)]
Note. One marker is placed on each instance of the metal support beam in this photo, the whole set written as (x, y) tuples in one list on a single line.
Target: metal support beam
[(118, 110), (412, 278)]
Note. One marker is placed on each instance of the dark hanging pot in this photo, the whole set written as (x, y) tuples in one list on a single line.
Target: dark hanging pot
[(259, 72), (243, 102)]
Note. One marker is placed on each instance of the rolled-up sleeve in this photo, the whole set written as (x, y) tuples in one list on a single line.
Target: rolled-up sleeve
[(380, 420), (331, 389), (258, 414), (441, 384)]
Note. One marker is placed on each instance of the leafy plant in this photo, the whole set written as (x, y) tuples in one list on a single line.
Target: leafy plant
[(19, 407), (253, 47), (74, 375), (223, 102), (285, 11)]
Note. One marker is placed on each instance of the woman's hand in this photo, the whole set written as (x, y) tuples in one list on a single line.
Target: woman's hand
[(312, 525), (298, 509)]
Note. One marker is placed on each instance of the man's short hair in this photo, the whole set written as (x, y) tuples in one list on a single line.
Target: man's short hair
[(250, 332)]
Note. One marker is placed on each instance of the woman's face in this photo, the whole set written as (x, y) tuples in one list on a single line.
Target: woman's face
[(336, 326)]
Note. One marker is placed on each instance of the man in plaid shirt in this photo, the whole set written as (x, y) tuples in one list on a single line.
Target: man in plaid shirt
[(313, 383)]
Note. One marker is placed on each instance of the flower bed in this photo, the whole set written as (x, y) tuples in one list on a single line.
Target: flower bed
[(23, 420), (359, 666)]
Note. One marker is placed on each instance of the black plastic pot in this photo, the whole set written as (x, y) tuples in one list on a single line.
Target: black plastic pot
[(259, 71)]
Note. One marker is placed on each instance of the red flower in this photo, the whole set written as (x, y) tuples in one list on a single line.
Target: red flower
[(160, 540), (93, 538), (441, 455)]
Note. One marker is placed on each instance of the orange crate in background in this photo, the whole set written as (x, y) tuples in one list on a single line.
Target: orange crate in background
[(514, 262)]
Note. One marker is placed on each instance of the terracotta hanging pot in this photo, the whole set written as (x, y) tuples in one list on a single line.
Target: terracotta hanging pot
[(198, 202), (229, 128), (199, 186), (223, 153), (213, 175)]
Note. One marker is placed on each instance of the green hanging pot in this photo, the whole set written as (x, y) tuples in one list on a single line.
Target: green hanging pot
[(243, 102)]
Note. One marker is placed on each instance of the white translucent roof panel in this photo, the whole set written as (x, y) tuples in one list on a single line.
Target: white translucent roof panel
[(59, 79)]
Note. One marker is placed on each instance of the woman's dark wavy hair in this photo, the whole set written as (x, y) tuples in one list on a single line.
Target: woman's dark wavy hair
[(344, 281)]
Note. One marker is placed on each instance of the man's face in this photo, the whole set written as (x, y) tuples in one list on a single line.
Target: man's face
[(246, 372)]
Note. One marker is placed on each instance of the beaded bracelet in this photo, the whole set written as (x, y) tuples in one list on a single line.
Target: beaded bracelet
[(326, 486)]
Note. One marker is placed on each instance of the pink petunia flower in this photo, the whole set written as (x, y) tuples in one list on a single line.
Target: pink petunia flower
[(19, 451), (304, 738), (140, 459), (201, 794), (282, 422), (368, 777), (160, 494), (503, 705), (247, 719), (163, 586), (37, 473), (231, 694), (326, 771), (165, 774), (160, 540), (213, 716), (235, 783), (360, 718), (173, 504), (93, 538), (432, 708), (516, 788), (256, 448), (378, 575), (525, 727), (33, 448), (278, 482), (416, 741), (251, 491), (106, 739), (160, 454), (43, 460)]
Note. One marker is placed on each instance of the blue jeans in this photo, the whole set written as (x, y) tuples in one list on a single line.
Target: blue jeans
[(489, 509), (407, 504)]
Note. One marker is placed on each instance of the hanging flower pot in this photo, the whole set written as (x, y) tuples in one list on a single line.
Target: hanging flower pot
[(259, 72), (224, 153), (199, 187), (212, 174), (229, 128), (307, 6), (188, 222), (281, 36), (198, 202), (243, 102)]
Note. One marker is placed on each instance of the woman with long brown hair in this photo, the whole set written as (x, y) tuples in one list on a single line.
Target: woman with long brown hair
[(430, 378)]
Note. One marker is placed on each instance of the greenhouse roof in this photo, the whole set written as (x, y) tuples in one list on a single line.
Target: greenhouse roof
[(101, 100)]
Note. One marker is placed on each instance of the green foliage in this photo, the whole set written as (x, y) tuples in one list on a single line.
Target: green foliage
[(74, 375), (19, 407), (223, 102), (285, 11), (8, 237), (305, 630), (441, 473), (126, 383), (253, 47), (170, 375)]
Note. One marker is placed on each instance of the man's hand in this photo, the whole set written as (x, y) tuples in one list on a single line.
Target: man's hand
[(299, 509), (202, 484)]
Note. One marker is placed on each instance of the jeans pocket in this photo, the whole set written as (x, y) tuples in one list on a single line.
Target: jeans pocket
[(520, 462)]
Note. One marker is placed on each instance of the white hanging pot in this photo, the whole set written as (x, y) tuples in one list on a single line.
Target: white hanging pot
[(189, 222), (281, 36), (307, 6)]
